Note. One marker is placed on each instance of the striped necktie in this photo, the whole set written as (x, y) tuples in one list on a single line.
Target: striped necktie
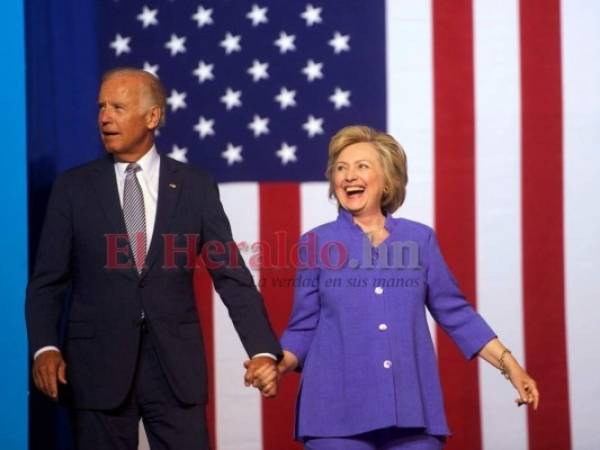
[(135, 215)]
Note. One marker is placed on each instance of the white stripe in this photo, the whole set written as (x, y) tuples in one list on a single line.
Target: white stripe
[(498, 209), (315, 205), (581, 101), (498, 206), (410, 99), (409, 75), (238, 408)]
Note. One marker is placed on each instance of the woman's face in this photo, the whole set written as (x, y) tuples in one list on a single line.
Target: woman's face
[(358, 179)]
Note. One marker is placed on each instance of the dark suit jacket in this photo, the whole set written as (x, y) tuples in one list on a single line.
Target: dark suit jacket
[(103, 319)]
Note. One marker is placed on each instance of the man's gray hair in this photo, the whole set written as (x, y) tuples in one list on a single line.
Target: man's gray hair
[(154, 88)]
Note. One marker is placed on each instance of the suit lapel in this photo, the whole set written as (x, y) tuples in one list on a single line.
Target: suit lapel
[(105, 186), (169, 189)]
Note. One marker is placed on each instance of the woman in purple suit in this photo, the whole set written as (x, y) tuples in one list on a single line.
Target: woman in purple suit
[(358, 330)]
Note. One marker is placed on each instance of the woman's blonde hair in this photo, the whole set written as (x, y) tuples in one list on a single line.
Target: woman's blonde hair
[(391, 155)]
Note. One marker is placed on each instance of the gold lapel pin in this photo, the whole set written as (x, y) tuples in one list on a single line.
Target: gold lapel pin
[(172, 185)]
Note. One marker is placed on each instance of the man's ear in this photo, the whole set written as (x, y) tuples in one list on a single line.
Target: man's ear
[(153, 117)]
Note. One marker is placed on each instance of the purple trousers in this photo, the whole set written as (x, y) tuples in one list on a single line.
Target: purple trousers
[(386, 439)]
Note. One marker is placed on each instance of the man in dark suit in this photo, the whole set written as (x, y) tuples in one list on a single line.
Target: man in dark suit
[(120, 236)]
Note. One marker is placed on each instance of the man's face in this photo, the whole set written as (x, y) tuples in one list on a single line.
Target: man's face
[(125, 119)]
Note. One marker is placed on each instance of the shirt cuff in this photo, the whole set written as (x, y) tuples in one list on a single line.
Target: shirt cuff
[(268, 355), (45, 349)]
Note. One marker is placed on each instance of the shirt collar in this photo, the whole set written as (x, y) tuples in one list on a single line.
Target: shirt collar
[(345, 216), (147, 162)]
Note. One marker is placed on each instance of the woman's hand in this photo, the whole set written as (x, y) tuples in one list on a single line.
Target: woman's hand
[(523, 383), (288, 363), (497, 355)]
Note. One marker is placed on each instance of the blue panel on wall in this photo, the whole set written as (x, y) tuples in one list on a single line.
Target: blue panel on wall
[(13, 229)]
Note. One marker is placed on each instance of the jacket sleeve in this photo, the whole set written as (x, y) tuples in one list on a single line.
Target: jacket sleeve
[(46, 291), (448, 306), (233, 280), (304, 319)]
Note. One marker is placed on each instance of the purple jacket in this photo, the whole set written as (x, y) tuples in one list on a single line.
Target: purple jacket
[(359, 330)]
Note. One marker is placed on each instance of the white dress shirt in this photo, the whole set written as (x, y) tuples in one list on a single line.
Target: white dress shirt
[(148, 179)]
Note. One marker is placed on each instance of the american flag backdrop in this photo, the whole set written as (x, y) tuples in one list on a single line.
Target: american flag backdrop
[(497, 105)]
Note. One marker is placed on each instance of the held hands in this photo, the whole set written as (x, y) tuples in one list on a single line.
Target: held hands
[(49, 368), (261, 372), (264, 374)]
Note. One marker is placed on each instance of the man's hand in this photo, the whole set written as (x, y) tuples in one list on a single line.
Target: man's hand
[(49, 367), (261, 372)]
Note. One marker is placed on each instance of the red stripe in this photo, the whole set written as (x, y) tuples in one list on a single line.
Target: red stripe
[(542, 203), (204, 304), (279, 230), (455, 200)]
